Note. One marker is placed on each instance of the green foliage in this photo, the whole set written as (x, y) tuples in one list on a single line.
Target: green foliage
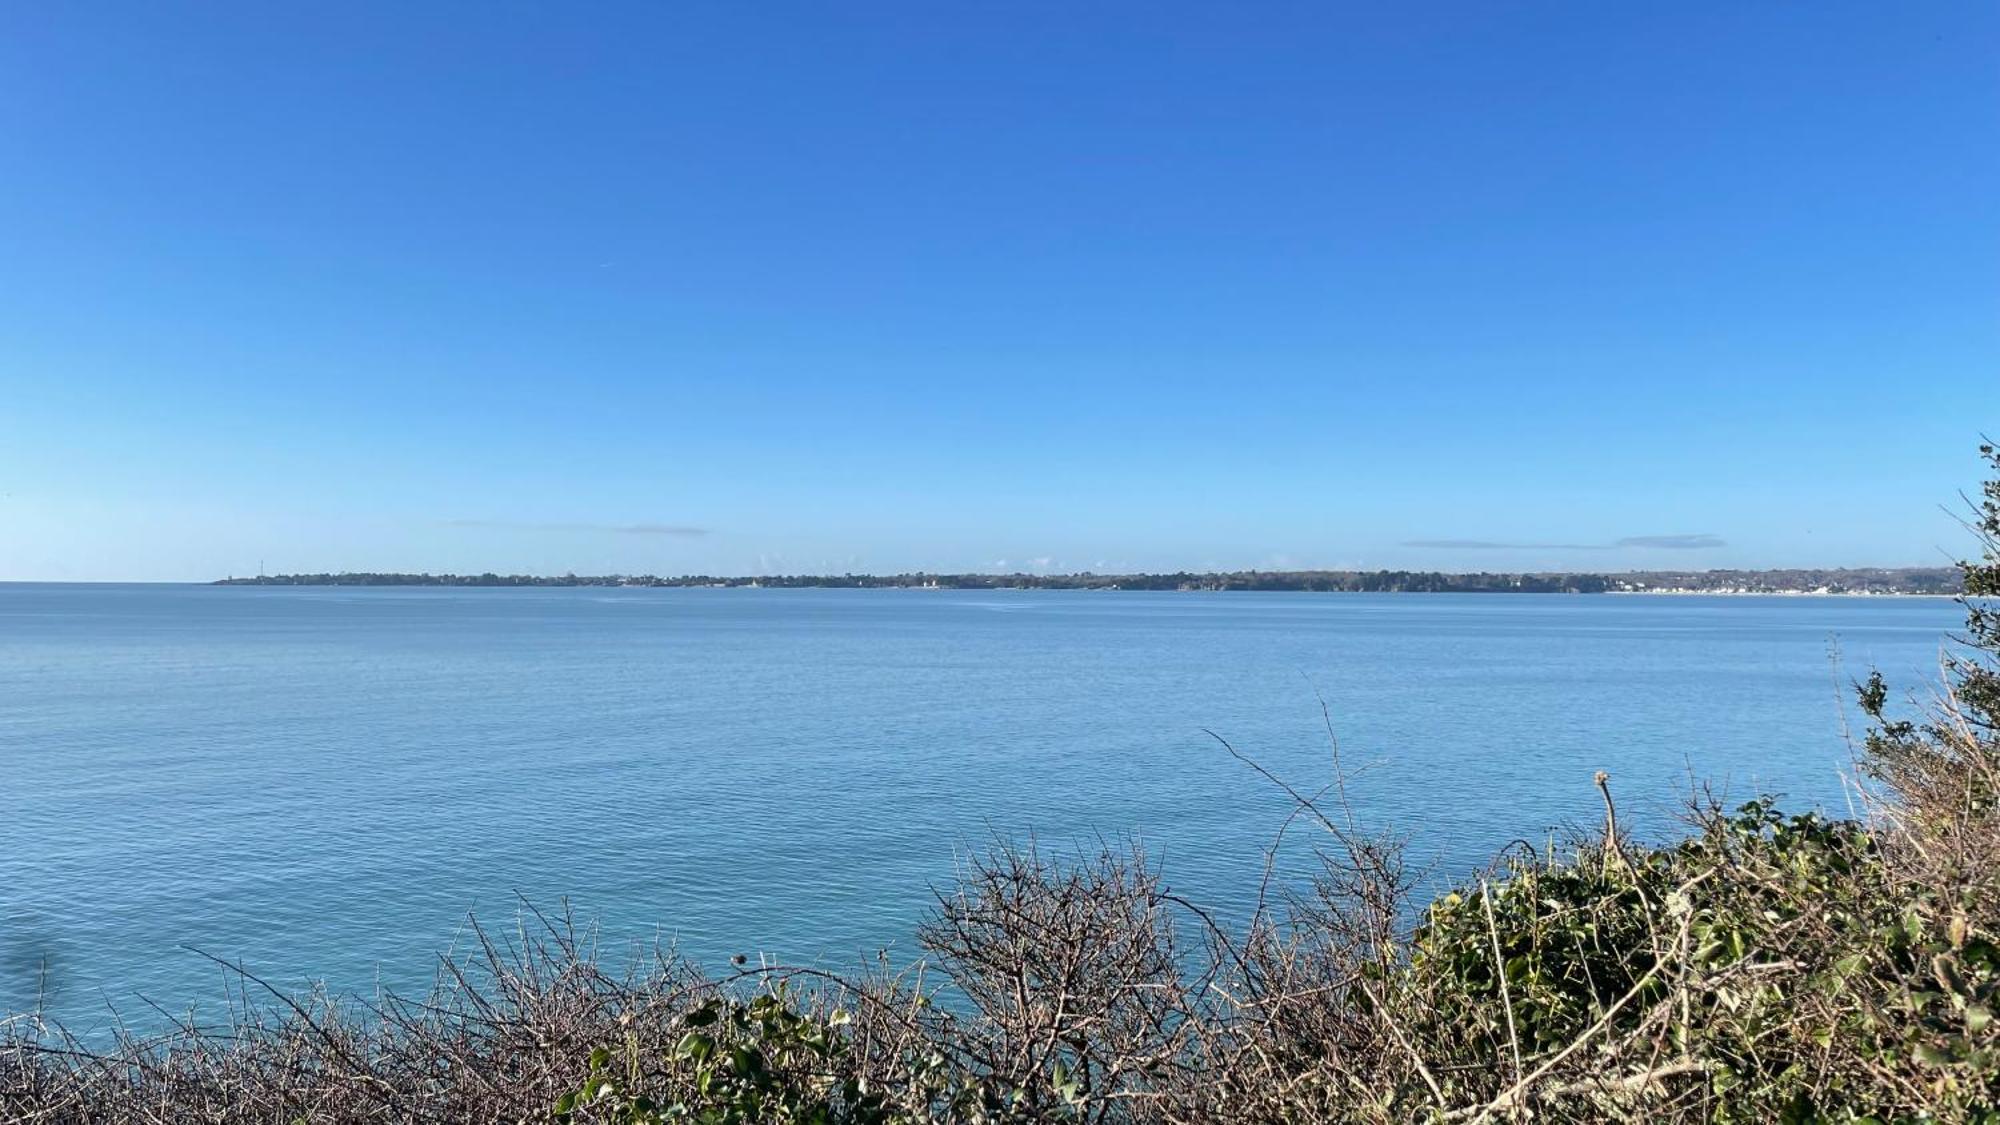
[(739, 1063), (767, 1062), (1780, 954)]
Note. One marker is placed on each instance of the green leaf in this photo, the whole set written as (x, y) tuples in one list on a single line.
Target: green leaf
[(1931, 1056)]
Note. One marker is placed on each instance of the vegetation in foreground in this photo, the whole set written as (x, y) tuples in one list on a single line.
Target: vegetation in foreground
[(1766, 968)]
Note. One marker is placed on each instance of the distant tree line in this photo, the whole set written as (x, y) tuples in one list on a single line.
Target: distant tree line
[(1865, 580)]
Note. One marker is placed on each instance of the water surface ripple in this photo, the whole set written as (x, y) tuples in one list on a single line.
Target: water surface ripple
[(322, 782)]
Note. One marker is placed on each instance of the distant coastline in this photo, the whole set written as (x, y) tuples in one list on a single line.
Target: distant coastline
[(1932, 581)]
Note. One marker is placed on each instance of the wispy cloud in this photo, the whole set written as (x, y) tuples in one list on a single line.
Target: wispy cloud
[(594, 528), (1673, 542), (1701, 542), (1490, 545)]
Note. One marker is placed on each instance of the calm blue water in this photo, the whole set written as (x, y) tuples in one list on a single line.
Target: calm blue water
[(323, 782)]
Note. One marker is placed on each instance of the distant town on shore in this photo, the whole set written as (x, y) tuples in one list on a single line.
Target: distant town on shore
[(1856, 580)]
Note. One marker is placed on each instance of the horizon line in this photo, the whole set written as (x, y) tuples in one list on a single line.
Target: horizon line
[(1054, 574)]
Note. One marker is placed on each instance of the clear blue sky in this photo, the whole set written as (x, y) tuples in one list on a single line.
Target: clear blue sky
[(767, 287)]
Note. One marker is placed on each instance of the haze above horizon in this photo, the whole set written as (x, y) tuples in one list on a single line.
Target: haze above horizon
[(785, 288)]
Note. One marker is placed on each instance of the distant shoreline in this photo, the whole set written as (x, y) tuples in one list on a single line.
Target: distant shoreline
[(1950, 596), (1853, 581)]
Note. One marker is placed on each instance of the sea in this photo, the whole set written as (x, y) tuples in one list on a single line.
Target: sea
[(325, 785)]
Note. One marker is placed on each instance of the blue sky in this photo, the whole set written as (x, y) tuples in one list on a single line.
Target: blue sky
[(742, 288)]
